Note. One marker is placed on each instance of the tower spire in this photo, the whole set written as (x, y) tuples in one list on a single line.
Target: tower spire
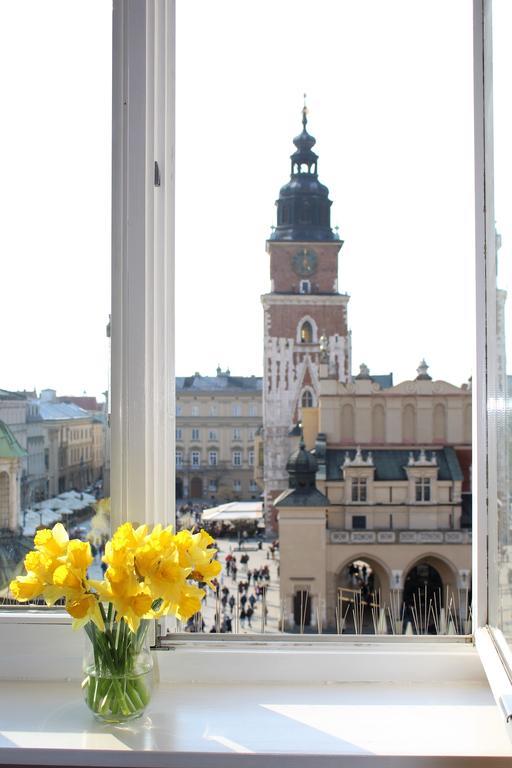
[(303, 207), (305, 113)]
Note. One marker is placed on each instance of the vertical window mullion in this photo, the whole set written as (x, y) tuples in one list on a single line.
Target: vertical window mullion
[(484, 467), (142, 467)]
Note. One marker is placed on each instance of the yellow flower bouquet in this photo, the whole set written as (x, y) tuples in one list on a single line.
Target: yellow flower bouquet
[(149, 574)]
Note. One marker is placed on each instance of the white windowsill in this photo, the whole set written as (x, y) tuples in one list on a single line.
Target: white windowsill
[(376, 702), (218, 726)]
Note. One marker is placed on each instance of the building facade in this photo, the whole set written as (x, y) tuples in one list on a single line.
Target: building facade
[(303, 313), (11, 458), (217, 418), (392, 480)]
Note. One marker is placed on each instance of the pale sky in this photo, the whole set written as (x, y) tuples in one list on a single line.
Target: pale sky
[(390, 94)]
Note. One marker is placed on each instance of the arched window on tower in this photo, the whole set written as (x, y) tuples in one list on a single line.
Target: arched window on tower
[(306, 333), (307, 399)]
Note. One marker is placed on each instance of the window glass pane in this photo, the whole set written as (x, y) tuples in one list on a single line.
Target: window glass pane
[(502, 118), (356, 290), (55, 155)]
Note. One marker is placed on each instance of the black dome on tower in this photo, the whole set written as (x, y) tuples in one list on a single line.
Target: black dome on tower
[(303, 207)]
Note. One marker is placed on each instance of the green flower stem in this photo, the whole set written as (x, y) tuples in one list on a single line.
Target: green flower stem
[(115, 689)]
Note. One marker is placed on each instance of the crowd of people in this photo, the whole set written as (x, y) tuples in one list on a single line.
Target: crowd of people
[(241, 601)]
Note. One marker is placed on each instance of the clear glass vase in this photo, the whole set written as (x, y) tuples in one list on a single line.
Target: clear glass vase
[(118, 671)]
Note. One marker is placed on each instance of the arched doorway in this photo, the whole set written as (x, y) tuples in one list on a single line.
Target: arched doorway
[(196, 488), (430, 597), (179, 488), (423, 582), (362, 592)]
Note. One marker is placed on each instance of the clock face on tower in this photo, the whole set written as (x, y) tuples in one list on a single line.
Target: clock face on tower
[(304, 262)]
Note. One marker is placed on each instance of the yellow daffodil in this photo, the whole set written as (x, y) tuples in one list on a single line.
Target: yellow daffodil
[(83, 609), (79, 556), (52, 543), (187, 603), (195, 552), (144, 569), (131, 601), (26, 587)]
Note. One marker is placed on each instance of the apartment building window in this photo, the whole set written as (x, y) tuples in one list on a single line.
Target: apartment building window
[(179, 435), (212, 486), (237, 485), (179, 459), (253, 410), (359, 489), (253, 486), (237, 458), (212, 435), (213, 410), (195, 410), (179, 410), (236, 410), (358, 522), (250, 457), (212, 458), (195, 433), (237, 433), (423, 487), (250, 434), (195, 458)]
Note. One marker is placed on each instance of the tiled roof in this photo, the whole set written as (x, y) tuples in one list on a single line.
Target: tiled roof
[(390, 463), (294, 497), (219, 383)]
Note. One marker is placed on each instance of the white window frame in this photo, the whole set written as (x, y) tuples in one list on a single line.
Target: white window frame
[(213, 455), (359, 488), (143, 446), (179, 459), (195, 458), (237, 434), (196, 433), (251, 457), (237, 462), (422, 488)]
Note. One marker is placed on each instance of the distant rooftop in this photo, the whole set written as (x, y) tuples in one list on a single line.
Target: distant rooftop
[(222, 382), (83, 401), (6, 395), (55, 411)]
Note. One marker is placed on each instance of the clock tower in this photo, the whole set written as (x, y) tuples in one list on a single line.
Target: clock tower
[(305, 316)]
